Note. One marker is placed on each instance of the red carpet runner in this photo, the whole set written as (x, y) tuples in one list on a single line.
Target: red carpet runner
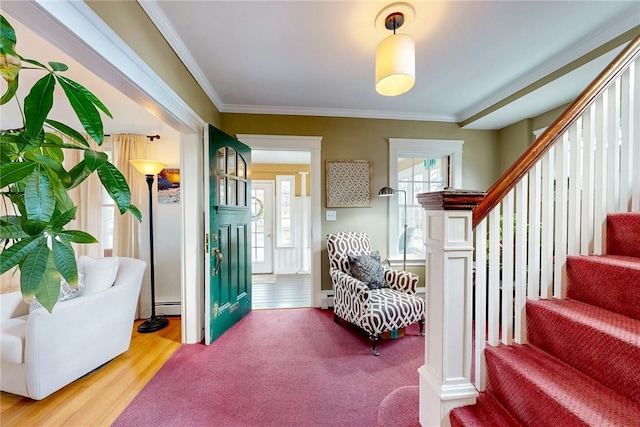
[(581, 366), (281, 368)]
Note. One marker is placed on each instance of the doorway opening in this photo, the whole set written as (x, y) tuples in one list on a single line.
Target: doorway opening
[(280, 229)]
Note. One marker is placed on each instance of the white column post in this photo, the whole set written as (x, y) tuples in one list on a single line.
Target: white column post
[(306, 228), (445, 377)]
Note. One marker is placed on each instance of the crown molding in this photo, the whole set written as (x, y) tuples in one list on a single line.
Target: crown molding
[(331, 112), (161, 22)]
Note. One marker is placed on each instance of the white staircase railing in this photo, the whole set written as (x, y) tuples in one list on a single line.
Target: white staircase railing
[(557, 208)]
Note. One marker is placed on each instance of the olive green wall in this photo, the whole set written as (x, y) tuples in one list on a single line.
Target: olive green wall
[(135, 28), (367, 139), (514, 139)]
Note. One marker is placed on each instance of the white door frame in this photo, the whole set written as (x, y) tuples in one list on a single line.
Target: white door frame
[(313, 145), (77, 31)]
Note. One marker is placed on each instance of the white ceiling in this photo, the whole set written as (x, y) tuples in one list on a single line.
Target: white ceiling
[(317, 57)]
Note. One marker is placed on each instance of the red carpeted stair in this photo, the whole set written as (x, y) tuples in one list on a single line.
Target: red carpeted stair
[(581, 366)]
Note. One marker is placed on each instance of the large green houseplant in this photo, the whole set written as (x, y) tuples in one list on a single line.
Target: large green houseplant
[(33, 181)]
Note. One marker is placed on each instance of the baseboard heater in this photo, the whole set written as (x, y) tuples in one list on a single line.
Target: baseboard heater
[(326, 301), (169, 308)]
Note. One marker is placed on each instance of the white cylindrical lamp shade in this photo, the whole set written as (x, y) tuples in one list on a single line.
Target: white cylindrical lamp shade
[(395, 65), (148, 167)]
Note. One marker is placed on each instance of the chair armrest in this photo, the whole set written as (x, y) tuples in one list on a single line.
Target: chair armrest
[(351, 284), (402, 281)]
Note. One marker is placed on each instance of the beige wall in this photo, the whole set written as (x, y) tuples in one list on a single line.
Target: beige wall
[(135, 28), (367, 139)]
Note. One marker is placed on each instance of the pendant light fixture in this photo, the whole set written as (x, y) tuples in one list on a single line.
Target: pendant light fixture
[(395, 59)]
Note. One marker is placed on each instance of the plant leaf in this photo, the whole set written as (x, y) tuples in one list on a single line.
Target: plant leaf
[(39, 202), (78, 174), (52, 161), (58, 66), (48, 289), (14, 172), (14, 254), (135, 212), (64, 258), (37, 105), (9, 60), (70, 132), (12, 232), (12, 88), (89, 95), (94, 159), (32, 269), (64, 218), (34, 62), (115, 184), (85, 110), (77, 236)]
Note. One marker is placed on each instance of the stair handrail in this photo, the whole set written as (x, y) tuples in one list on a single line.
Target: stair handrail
[(547, 139)]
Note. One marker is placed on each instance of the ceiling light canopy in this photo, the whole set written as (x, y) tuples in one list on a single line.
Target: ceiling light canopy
[(395, 60)]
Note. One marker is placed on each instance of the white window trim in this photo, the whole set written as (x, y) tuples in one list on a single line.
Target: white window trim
[(292, 182), (417, 148)]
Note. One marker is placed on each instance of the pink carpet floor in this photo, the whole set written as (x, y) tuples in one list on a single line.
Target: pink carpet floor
[(292, 367)]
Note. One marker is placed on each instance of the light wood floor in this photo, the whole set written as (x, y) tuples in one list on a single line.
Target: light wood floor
[(288, 291), (99, 397)]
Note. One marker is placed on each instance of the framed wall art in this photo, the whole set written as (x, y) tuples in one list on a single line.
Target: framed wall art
[(348, 183), (169, 185)]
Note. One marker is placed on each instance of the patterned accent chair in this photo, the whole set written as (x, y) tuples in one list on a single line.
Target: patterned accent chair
[(376, 311)]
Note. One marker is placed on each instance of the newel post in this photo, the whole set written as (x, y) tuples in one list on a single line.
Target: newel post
[(445, 377)]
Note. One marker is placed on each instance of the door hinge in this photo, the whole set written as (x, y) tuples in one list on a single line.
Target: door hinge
[(206, 243)]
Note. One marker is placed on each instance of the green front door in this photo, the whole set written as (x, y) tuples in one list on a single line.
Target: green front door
[(229, 294)]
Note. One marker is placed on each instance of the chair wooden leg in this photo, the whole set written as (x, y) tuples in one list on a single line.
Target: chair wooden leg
[(421, 324), (336, 318), (374, 341)]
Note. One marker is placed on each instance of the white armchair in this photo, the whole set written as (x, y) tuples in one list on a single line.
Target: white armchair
[(391, 305), (42, 352)]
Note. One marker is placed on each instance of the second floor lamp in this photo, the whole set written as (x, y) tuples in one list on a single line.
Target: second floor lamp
[(387, 192)]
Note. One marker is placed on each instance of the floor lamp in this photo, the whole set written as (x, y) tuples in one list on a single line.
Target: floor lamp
[(150, 169), (387, 192)]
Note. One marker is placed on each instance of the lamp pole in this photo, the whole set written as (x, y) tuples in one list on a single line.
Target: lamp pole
[(150, 169), (404, 243), (388, 191)]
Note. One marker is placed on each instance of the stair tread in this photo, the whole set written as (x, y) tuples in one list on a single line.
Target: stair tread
[(562, 327), (616, 260), (486, 412), (617, 325), (541, 382)]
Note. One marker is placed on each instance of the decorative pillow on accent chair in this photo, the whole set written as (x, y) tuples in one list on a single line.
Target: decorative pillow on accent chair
[(67, 292), (99, 273), (368, 269)]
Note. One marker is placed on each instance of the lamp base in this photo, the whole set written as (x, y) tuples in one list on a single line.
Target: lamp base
[(153, 324)]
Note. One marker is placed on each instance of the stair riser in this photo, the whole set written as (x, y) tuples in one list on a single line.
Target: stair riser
[(609, 360), (623, 234), (614, 288)]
